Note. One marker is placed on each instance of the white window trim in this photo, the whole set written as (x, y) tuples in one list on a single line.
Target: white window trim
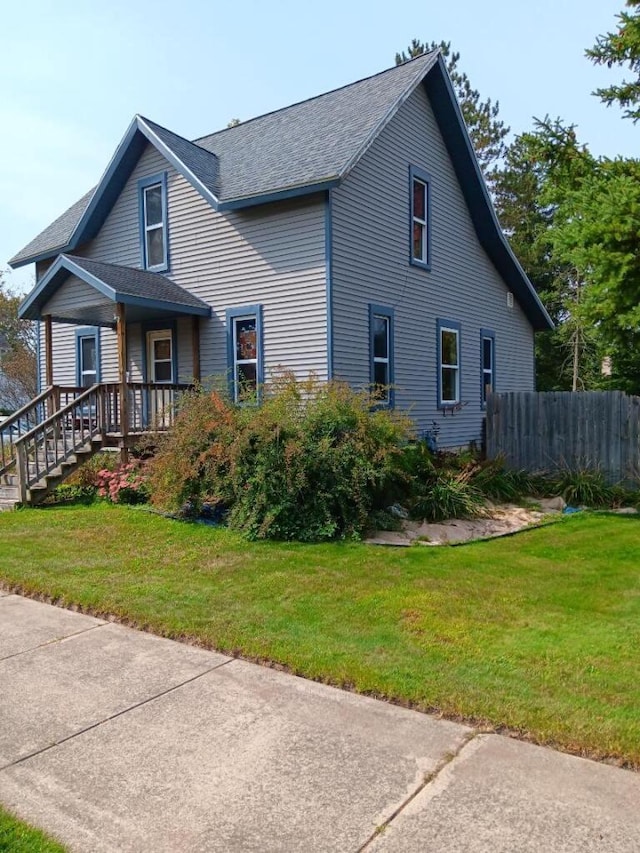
[(238, 362), (456, 367), (83, 372), (160, 335), (155, 226), (422, 222), (488, 371), (386, 360)]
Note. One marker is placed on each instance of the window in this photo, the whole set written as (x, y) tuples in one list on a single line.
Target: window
[(381, 353), (448, 363), (87, 356), (420, 214), (160, 355), (487, 361), (153, 222), (244, 342)]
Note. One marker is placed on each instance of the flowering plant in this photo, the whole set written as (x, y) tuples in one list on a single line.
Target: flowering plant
[(126, 485)]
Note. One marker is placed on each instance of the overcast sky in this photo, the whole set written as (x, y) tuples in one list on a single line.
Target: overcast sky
[(74, 72)]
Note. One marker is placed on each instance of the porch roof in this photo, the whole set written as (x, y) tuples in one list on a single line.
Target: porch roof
[(147, 295)]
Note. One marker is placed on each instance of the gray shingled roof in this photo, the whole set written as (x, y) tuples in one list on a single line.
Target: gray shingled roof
[(199, 161), (132, 286), (127, 281), (310, 142), (56, 235)]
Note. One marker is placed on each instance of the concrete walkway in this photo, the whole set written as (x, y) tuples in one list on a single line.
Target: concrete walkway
[(116, 740)]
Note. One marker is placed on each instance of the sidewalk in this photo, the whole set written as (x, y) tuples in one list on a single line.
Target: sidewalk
[(116, 740)]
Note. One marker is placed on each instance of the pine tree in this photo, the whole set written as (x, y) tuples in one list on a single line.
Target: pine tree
[(621, 48), (486, 130)]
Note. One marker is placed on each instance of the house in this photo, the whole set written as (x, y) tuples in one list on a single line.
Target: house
[(350, 235)]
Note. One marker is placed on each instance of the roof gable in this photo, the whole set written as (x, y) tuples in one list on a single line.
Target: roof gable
[(304, 148), (115, 283), (312, 142), (298, 150)]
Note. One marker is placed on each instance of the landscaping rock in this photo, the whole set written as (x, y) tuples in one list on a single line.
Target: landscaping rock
[(556, 504), (500, 521), (626, 510), (389, 537)]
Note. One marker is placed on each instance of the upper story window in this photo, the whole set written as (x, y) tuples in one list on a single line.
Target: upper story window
[(487, 361), (153, 222), (419, 186), (448, 363), (381, 353)]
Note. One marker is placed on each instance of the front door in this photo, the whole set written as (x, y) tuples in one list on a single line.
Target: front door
[(160, 372)]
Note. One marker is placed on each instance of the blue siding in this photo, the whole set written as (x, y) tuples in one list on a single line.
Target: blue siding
[(370, 264)]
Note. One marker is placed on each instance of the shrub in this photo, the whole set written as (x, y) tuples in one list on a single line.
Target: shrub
[(310, 463), (68, 494), (127, 484), (584, 486), (447, 495), (86, 476), (437, 485), (495, 481)]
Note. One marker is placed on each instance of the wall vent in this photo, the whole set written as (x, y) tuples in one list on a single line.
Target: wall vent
[(509, 300)]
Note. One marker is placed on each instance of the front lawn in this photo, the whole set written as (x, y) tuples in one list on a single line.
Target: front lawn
[(537, 633), (17, 837)]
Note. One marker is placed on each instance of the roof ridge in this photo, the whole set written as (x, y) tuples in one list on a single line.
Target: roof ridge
[(422, 57)]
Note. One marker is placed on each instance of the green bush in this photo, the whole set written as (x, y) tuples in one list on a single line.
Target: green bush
[(438, 485), (312, 462), (448, 496), (86, 476), (498, 483), (584, 487), (69, 494)]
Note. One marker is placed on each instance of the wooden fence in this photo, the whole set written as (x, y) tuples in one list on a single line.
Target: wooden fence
[(544, 431)]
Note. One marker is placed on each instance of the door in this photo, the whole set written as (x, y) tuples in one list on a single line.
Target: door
[(160, 372)]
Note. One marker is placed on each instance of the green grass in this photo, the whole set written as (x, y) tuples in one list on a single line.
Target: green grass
[(537, 633), (17, 837)]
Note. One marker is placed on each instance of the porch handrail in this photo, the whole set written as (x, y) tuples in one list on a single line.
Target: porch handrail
[(84, 414), (151, 405), (14, 423)]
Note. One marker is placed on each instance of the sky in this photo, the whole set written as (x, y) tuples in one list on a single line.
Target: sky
[(73, 74)]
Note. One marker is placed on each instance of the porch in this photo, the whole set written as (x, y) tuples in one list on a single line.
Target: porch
[(66, 424), (50, 437)]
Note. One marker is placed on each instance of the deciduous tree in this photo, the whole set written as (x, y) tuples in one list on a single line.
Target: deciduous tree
[(18, 382)]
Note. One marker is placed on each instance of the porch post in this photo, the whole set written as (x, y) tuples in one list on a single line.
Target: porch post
[(48, 350), (195, 343), (53, 403), (121, 332)]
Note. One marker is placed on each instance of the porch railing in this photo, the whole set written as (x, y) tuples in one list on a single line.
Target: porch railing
[(28, 417), (89, 417), (151, 406), (59, 437)]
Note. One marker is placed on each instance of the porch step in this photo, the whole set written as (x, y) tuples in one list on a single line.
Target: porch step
[(9, 493), (42, 489)]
